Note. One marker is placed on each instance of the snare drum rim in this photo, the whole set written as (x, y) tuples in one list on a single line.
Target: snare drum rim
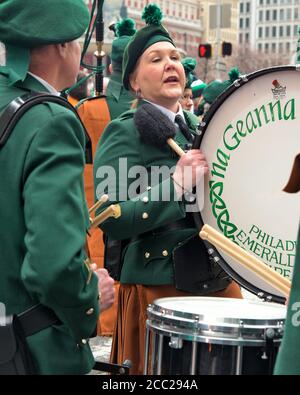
[(210, 336), (158, 310), (214, 253), (201, 328)]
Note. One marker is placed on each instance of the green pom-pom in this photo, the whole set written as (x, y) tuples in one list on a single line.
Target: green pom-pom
[(234, 74), (125, 28), (152, 15), (189, 64)]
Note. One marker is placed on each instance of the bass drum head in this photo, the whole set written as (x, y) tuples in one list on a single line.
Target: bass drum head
[(251, 136)]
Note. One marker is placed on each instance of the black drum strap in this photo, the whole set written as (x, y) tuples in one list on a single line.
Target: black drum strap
[(17, 108)]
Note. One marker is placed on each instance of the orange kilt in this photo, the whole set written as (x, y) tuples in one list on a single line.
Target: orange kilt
[(95, 117), (130, 330)]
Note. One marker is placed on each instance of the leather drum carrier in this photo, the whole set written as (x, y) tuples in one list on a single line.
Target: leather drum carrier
[(195, 267)]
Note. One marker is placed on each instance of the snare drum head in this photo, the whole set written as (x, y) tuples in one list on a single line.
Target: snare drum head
[(250, 138), (212, 310)]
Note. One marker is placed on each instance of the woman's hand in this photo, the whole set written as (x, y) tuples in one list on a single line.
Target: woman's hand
[(189, 170)]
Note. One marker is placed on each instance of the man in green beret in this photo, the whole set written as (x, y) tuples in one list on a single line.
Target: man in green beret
[(118, 98), (44, 217)]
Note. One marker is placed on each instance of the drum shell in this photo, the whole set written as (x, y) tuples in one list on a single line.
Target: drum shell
[(187, 343)]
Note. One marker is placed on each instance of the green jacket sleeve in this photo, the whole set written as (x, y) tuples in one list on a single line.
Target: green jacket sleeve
[(118, 164), (55, 212)]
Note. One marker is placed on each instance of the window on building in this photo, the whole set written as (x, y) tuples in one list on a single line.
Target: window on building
[(241, 38), (267, 1), (296, 13), (266, 47), (247, 22), (295, 30), (280, 31), (248, 7), (288, 47), (247, 38), (260, 16), (274, 31), (261, 2), (281, 14), (241, 8), (259, 47), (280, 47), (267, 15), (274, 15), (267, 31), (288, 31), (260, 32), (289, 14), (273, 47), (241, 23)]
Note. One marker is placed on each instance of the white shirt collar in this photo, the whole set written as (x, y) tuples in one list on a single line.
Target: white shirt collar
[(170, 114), (49, 87)]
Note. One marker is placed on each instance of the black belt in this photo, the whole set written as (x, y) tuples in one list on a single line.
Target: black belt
[(37, 318), (184, 223)]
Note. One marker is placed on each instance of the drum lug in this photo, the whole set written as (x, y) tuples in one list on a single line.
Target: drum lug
[(264, 355), (176, 343)]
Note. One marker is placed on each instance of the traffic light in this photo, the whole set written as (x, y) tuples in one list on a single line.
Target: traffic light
[(226, 48), (204, 51)]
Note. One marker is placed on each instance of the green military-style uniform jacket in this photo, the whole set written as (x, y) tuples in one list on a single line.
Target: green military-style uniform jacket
[(146, 260), (42, 230), (288, 359), (118, 98)]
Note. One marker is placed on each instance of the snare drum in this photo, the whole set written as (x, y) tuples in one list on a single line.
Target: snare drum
[(212, 336), (250, 137)]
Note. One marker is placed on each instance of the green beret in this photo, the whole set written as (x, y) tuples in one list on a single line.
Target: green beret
[(189, 65), (197, 88), (215, 88), (152, 33), (26, 24), (124, 30), (32, 23)]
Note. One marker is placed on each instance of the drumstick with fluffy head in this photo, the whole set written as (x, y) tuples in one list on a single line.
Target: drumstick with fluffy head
[(155, 128)]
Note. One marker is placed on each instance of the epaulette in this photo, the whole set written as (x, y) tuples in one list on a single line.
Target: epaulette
[(126, 115)]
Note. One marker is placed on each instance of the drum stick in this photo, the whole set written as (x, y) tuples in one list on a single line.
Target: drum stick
[(114, 210), (268, 274), (102, 200), (175, 147)]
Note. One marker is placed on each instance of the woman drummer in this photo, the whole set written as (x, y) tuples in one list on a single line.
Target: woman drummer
[(150, 226)]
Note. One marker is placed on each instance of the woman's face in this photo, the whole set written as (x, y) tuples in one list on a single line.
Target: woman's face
[(159, 75), (186, 100)]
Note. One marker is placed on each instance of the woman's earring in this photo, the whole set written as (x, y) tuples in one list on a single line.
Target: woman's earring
[(138, 94)]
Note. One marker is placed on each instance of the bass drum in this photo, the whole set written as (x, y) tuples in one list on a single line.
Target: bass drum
[(250, 137)]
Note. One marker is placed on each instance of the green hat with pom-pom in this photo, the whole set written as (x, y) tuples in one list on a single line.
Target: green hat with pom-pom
[(189, 65), (197, 87), (124, 30), (152, 33), (215, 88)]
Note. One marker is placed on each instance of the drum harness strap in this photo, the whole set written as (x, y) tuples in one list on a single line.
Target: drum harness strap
[(17, 108)]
